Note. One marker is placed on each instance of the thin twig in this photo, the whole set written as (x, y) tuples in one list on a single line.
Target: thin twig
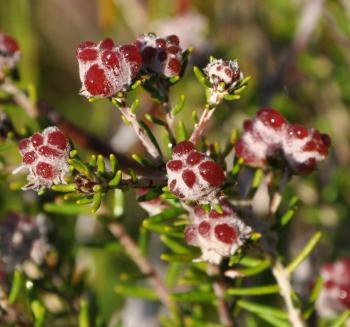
[(143, 264), (201, 125), (141, 133), (19, 97), (286, 291), (170, 121), (219, 290)]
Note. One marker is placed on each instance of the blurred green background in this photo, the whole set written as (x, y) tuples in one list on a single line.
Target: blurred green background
[(297, 52)]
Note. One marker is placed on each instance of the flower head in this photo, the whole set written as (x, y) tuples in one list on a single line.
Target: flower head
[(334, 297), (106, 68), (45, 156), (9, 52), (161, 55), (22, 239), (269, 135), (217, 234), (193, 175)]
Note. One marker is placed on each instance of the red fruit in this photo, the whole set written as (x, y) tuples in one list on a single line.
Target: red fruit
[(96, 82), (190, 234), (86, 44), (107, 44), (327, 141), (298, 131), (148, 54), (212, 173), (110, 59), (215, 214), (307, 167), (189, 178), (10, 43), (225, 233), (174, 66), (162, 55), (58, 139), (310, 146), (87, 54), (37, 140), (172, 185), (183, 148), (271, 117), (344, 295), (133, 56), (200, 212), (248, 125), (204, 228), (173, 39), (29, 157), (49, 152), (174, 165), (23, 145), (194, 158), (173, 49), (45, 170), (160, 43)]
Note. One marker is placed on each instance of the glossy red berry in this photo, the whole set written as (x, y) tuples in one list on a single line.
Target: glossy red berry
[(47, 152), (204, 228), (297, 131), (212, 173), (37, 140), (110, 58), (45, 170), (29, 157), (10, 44), (23, 145), (271, 117), (173, 39), (174, 165), (183, 148), (87, 55), (225, 233), (189, 178), (194, 158), (58, 139), (96, 82), (107, 44)]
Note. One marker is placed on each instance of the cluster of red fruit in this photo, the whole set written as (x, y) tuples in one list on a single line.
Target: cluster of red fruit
[(45, 156), (335, 294), (218, 234), (9, 51), (161, 55), (193, 175), (269, 135), (226, 72), (106, 68)]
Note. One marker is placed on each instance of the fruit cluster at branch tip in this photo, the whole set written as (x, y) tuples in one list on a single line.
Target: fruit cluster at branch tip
[(193, 175), (269, 135), (45, 156), (217, 234), (106, 68)]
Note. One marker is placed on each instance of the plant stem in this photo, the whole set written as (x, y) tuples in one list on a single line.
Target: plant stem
[(170, 121), (143, 264), (141, 133), (19, 97), (220, 291), (283, 280), (202, 124)]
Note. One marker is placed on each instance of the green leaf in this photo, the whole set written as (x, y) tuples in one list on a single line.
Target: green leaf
[(136, 291), (305, 252), (143, 161), (155, 120), (178, 257), (143, 240), (200, 77), (39, 312), (65, 208), (181, 132), (231, 97), (101, 166), (253, 291), (254, 270), (80, 167), (118, 203), (173, 272), (194, 296), (310, 307), (84, 320), (135, 105), (150, 135), (151, 194), (17, 284), (262, 309), (64, 187), (341, 320), (114, 163), (97, 199), (274, 321), (165, 215), (175, 245), (115, 181), (179, 106)]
